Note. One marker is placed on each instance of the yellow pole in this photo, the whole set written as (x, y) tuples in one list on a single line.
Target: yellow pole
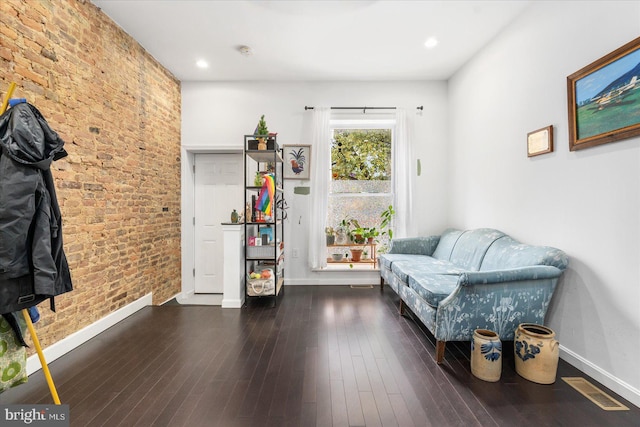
[(43, 362), (5, 103)]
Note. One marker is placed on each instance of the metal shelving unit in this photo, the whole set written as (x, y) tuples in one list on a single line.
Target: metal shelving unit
[(261, 256)]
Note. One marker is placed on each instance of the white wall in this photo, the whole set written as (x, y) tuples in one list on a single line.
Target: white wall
[(218, 114), (586, 202)]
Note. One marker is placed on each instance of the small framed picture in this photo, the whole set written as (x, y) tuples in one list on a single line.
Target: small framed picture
[(540, 141), (297, 161)]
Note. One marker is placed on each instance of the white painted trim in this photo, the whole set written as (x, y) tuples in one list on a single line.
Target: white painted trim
[(78, 338), (201, 299), (232, 303), (187, 201), (187, 231), (612, 382)]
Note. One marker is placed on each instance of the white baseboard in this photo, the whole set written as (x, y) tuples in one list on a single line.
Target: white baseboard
[(612, 382), (200, 299), (74, 340), (232, 303)]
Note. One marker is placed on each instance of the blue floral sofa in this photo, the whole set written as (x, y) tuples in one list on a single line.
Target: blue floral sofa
[(464, 280)]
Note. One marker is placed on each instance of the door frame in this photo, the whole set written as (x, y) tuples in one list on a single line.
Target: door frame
[(187, 208)]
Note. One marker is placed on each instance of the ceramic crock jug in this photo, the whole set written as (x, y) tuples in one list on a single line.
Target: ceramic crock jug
[(537, 352), (486, 355)]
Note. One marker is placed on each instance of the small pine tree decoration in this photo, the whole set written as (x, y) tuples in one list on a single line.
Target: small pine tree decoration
[(262, 128)]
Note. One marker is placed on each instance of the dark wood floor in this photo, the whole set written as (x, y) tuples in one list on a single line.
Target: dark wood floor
[(324, 356)]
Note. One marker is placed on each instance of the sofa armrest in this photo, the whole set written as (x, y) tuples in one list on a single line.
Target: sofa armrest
[(537, 272), (498, 300), (414, 245)]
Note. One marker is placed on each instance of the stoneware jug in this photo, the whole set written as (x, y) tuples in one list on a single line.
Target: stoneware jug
[(537, 353), (486, 355)]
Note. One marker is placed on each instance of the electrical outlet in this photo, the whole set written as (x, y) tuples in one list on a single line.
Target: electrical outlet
[(294, 253)]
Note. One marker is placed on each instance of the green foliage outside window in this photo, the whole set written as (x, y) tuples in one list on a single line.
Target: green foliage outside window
[(361, 154)]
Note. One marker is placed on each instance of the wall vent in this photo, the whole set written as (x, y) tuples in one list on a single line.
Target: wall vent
[(594, 394)]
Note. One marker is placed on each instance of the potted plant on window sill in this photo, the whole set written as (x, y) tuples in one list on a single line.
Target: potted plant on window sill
[(356, 254), (370, 233), (330, 235), (350, 225)]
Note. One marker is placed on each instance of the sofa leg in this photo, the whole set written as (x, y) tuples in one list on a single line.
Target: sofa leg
[(440, 345), (381, 284), (401, 308)]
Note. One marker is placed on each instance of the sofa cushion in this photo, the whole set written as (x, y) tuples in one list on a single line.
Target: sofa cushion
[(430, 278), (507, 253), (386, 260), (447, 242), (471, 246), (433, 288), (420, 265)]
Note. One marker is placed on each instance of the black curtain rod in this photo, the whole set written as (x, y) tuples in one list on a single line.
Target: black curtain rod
[(364, 109)]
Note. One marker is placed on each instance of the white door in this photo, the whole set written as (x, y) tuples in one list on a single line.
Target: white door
[(218, 191)]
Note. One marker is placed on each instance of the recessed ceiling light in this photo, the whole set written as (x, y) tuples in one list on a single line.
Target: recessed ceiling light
[(431, 43), (201, 63)]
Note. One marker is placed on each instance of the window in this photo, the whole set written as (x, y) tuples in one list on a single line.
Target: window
[(361, 172)]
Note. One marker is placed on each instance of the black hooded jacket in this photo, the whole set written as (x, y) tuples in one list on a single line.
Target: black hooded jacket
[(33, 266)]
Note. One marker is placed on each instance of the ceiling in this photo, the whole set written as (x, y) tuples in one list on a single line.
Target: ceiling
[(312, 40)]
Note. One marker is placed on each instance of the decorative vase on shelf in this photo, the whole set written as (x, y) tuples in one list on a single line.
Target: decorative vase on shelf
[(247, 212), (537, 352), (330, 239), (262, 145), (486, 355), (234, 216), (341, 236)]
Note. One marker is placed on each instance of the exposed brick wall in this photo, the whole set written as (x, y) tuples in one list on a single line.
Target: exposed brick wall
[(118, 112)]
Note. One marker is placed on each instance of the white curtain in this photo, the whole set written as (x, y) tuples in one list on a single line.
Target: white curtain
[(403, 173), (320, 138)]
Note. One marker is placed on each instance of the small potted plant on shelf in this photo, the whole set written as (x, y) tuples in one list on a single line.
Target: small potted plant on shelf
[(358, 234), (262, 132), (356, 254), (330, 234), (350, 225), (371, 234)]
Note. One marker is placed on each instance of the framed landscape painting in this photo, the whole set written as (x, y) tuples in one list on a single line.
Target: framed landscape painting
[(604, 99), (297, 161)]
